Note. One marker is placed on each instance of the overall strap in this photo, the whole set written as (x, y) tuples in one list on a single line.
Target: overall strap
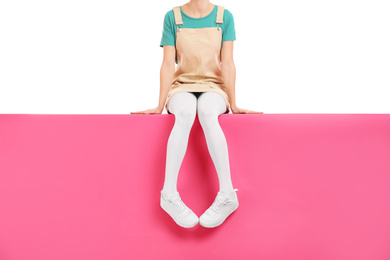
[(220, 14), (177, 13)]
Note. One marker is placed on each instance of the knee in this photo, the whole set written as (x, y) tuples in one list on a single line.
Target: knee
[(210, 106), (185, 117), (207, 117)]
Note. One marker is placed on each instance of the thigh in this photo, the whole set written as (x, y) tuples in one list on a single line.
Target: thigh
[(211, 103), (183, 102)]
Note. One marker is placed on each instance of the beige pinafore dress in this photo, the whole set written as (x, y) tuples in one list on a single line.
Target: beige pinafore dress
[(198, 53)]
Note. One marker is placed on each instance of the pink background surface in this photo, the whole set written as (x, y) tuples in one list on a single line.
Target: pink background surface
[(311, 186)]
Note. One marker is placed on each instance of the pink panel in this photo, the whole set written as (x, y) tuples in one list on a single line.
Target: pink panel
[(311, 186)]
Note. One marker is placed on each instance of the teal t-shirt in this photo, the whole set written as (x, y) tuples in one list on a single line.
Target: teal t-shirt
[(170, 28)]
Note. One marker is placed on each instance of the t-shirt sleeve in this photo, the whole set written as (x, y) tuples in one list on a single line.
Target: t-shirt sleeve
[(228, 30), (168, 36)]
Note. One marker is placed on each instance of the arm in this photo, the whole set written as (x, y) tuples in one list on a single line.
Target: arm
[(167, 72), (229, 76), (229, 72)]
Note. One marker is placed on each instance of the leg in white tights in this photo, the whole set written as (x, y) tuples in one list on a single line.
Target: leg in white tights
[(183, 106), (209, 106)]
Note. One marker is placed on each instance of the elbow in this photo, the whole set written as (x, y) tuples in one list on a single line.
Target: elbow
[(168, 66), (228, 66)]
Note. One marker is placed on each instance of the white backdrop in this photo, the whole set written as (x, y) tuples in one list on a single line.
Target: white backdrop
[(103, 57)]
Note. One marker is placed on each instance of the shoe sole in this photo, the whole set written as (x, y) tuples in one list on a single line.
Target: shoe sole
[(223, 220), (184, 226)]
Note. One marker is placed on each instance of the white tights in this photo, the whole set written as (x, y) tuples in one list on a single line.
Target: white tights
[(185, 106)]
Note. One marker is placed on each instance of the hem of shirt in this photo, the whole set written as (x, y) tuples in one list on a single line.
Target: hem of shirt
[(228, 40), (166, 45)]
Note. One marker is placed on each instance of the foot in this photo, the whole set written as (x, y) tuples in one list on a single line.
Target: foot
[(180, 213), (219, 211)]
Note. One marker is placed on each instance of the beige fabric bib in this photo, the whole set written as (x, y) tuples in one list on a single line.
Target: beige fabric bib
[(198, 59)]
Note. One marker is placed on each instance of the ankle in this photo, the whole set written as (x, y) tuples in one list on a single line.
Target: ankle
[(230, 194), (168, 193)]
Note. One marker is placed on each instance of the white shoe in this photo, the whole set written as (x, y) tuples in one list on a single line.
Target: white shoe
[(181, 214), (218, 211)]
